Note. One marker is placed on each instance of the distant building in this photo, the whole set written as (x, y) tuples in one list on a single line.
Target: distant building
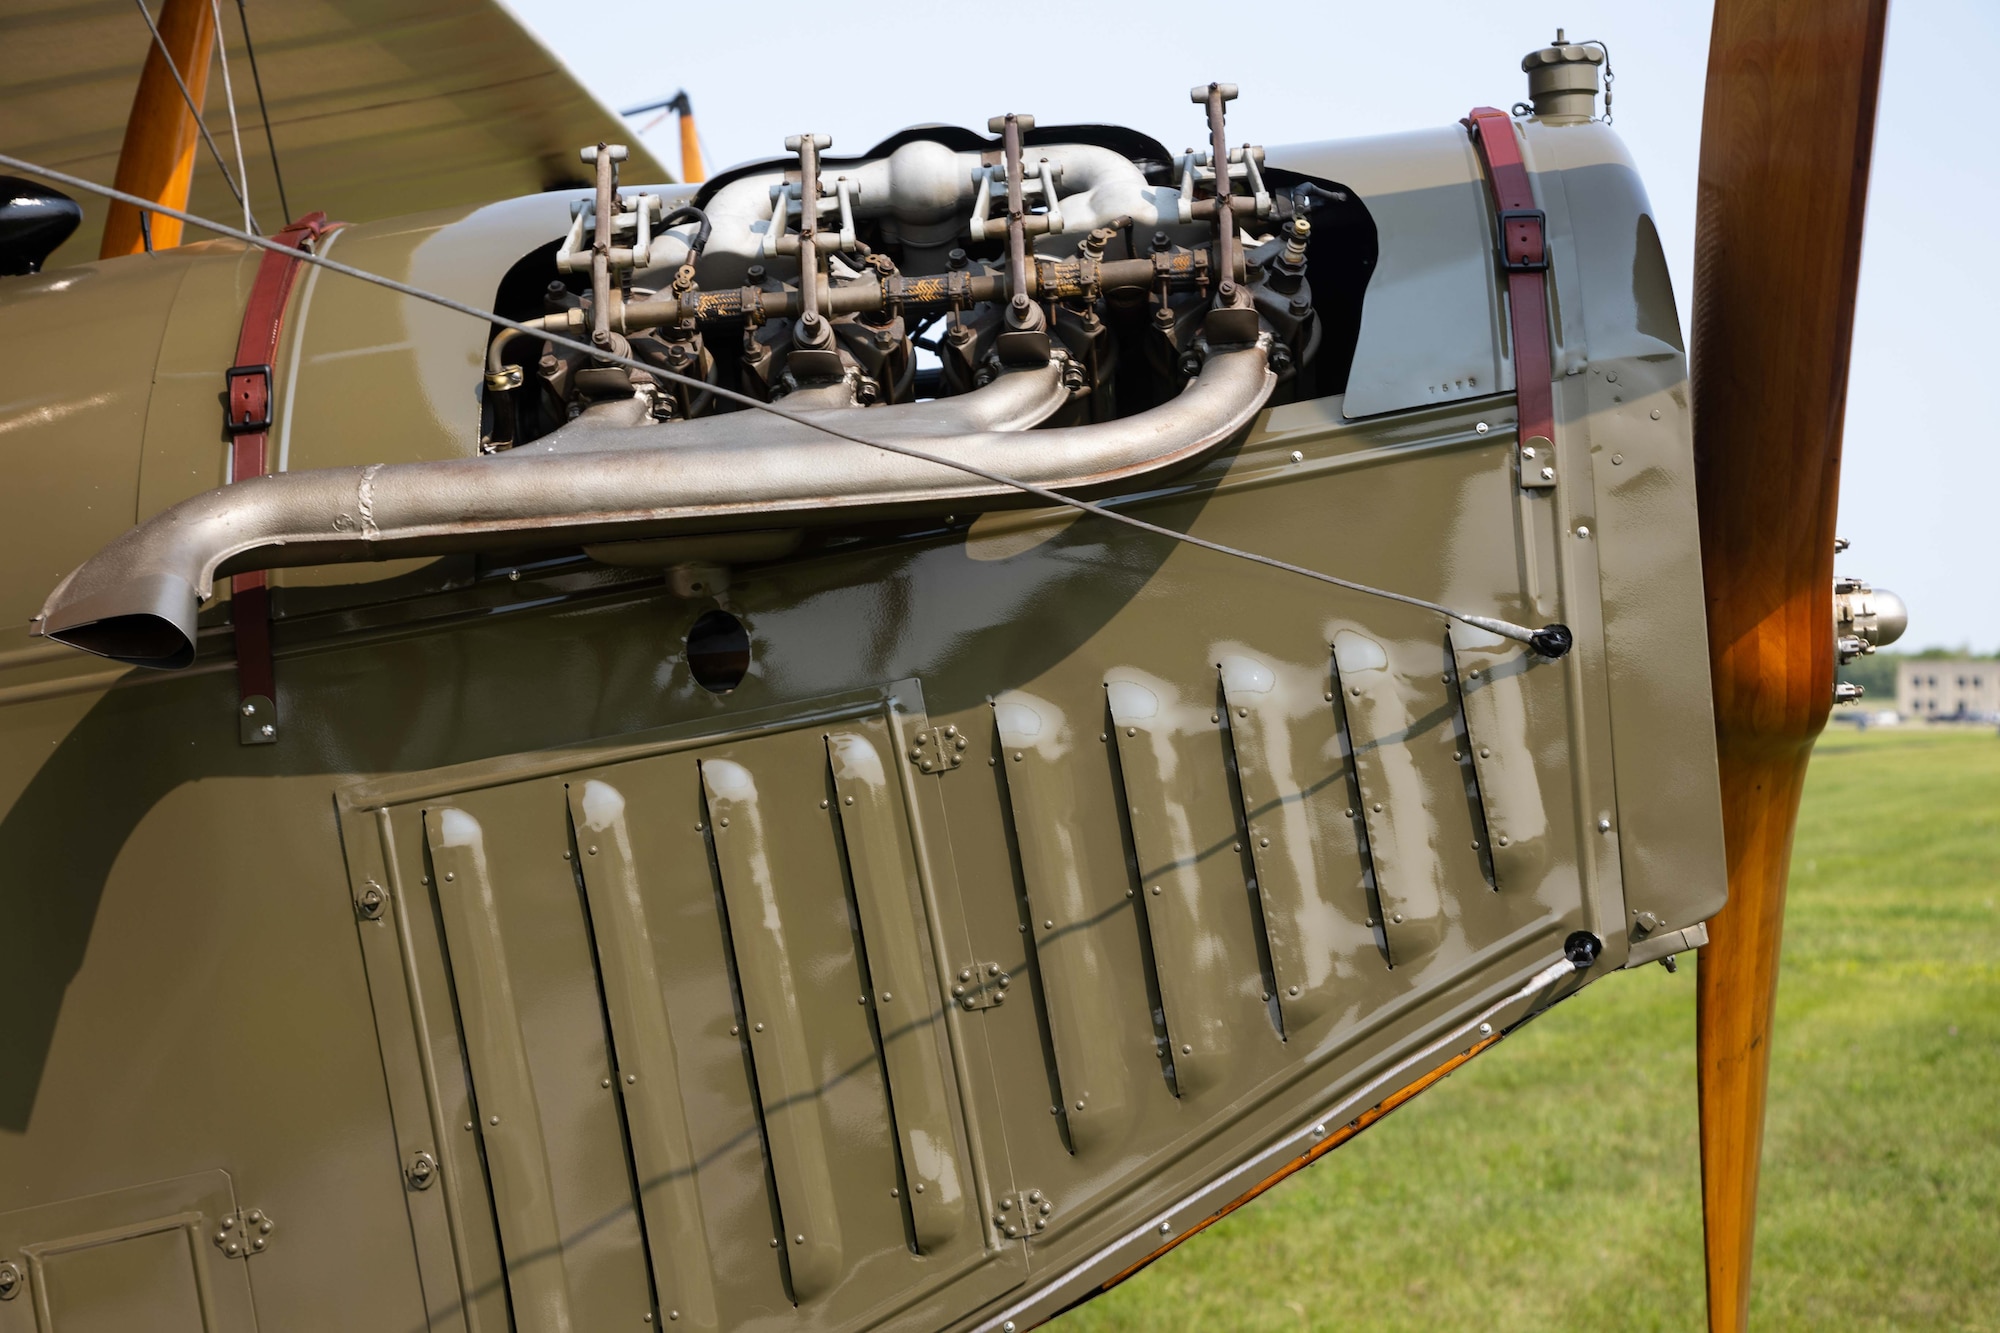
[(1948, 687)]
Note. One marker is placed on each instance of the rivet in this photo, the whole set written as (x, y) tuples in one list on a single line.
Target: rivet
[(799, 1239), (1582, 531), (1079, 1105), (886, 997), (1378, 807), (468, 1125), (604, 1083), (1485, 1029), (993, 969), (1656, 414), (1319, 1131), (1502, 840), (1329, 696), (1131, 731), (1128, 893), (1298, 456), (1156, 890), (1610, 377), (631, 1079), (850, 800), (758, 1027), (1617, 460), (1475, 844), (1017, 756), (567, 854), (895, 1194), (774, 1242), (1604, 826), (735, 1029), (1263, 842), (1482, 428), (1236, 846), (863, 999), (1355, 690), (966, 975), (1007, 1327), (1485, 753), (1215, 717), (1350, 812), (1187, 1050), (1457, 757), (724, 823), (450, 875), (920, 1188), (1048, 925), (1166, 1228), (822, 805), (593, 849), (493, 1120), (1294, 992), (1398, 918)]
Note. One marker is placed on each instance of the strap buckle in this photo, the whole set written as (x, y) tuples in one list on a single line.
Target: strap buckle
[(247, 399), (1524, 240)]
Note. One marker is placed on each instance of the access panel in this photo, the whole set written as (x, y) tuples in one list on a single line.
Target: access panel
[(693, 987)]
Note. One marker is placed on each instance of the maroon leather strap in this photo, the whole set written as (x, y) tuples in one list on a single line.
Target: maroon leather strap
[(1524, 256), (247, 404)]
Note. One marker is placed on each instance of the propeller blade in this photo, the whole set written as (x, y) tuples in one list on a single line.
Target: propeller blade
[(1786, 135)]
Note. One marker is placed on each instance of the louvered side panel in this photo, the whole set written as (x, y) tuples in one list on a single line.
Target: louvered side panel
[(908, 1012), (774, 1003), (1197, 904), (663, 819), (1096, 1013), (645, 1073), (1304, 832), (1509, 700)]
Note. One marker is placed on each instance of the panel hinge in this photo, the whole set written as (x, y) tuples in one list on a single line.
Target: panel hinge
[(981, 986), (243, 1234), (1022, 1213), (937, 749), (1538, 463)]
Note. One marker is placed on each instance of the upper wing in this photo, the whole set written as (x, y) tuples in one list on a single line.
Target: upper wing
[(379, 107)]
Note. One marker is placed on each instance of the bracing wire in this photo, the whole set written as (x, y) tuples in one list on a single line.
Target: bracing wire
[(229, 97), (264, 111), (1550, 641), (193, 110)]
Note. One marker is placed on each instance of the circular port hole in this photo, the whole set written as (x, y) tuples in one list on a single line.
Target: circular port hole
[(718, 652)]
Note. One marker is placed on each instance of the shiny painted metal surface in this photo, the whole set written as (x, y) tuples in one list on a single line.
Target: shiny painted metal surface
[(196, 977)]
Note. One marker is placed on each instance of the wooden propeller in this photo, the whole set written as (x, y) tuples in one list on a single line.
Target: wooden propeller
[(1786, 136)]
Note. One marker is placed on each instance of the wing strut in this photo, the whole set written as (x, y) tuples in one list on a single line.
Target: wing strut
[(157, 159), (1786, 136)]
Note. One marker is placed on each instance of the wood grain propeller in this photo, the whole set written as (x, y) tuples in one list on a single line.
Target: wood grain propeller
[(1786, 136)]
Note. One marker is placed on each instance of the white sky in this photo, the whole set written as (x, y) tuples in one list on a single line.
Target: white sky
[(1920, 494)]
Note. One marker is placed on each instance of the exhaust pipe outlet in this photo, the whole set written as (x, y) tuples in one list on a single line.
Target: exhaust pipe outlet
[(137, 600)]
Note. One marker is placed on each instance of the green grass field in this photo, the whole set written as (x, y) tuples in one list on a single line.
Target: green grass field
[(1554, 1182)]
